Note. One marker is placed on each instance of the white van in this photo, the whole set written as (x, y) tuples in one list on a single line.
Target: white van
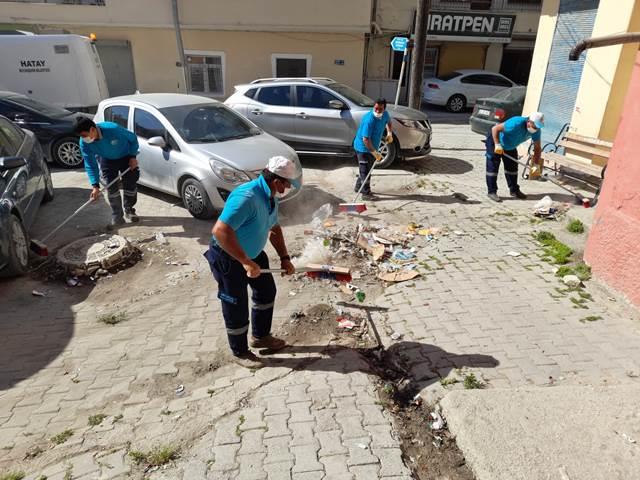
[(64, 70)]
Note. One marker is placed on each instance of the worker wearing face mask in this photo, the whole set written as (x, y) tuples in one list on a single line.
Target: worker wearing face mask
[(367, 142), (236, 257), (502, 142)]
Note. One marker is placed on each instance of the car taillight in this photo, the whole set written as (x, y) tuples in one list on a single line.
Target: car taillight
[(499, 114), (435, 86), (475, 110)]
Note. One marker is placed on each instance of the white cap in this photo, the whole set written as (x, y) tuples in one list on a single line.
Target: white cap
[(537, 118), (286, 168)]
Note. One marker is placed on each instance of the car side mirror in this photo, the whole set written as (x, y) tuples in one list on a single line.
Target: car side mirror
[(157, 142), (8, 163), (337, 104)]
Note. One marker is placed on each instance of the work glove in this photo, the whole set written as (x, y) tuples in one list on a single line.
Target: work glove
[(498, 150), (389, 139), (378, 156)]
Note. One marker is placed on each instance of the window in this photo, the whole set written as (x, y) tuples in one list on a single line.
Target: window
[(290, 65), (10, 139), (351, 94), (449, 76), (206, 71), (475, 79), (250, 93), (280, 95), (499, 81), (61, 49), (35, 106), (147, 126), (117, 114), (515, 94), (313, 97)]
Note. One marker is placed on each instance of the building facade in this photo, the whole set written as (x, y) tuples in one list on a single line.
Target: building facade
[(226, 43), (496, 35)]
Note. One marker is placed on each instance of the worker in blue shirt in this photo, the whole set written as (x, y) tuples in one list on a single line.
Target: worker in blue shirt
[(368, 140), (114, 148), (503, 140), (236, 257)]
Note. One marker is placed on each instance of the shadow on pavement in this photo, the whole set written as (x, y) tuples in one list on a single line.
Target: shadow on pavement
[(438, 165), (440, 115), (413, 198)]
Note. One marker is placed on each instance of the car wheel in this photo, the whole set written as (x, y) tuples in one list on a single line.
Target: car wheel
[(18, 254), (66, 152), (389, 153), (456, 103), (195, 198), (48, 183)]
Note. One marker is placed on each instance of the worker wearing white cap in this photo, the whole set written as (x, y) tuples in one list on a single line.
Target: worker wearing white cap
[(236, 257), (502, 142)]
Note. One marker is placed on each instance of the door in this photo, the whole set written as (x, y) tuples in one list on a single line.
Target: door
[(474, 87), (516, 64), (117, 63), (155, 163), (562, 80), (272, 110), (319, 125)]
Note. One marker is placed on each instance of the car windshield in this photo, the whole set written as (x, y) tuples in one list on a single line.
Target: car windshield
[(448, 76), (207, 122), (352, 95), (514, 94), (45, 109)]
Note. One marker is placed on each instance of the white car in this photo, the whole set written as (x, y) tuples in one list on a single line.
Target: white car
[(461, 88), (194, 147)]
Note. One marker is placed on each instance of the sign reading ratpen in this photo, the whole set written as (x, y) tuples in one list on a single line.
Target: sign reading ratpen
[(470, 27)]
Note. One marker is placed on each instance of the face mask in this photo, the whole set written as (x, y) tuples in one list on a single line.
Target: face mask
[(283, 194), (377, 115), (87, 140), (532, 130)]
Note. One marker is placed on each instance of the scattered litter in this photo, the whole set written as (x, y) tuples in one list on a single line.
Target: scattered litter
[(73, 282), (437, 441), (514, 254), (293, 293), (458, 232), (346, 323), (545, 203), (544, 208), (627, 438), (571, 281), (438, 422), (360, 295), (161, 239), (297, 315), (401, 276), (37, 293), (403, 255), (320, 216), (180, 390), (396, 336), (363, 446)]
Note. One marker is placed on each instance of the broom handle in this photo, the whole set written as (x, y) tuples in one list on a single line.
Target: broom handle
[(50, 234), (365, 181)]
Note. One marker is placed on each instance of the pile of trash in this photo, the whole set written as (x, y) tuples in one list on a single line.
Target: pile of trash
[(547, 209)]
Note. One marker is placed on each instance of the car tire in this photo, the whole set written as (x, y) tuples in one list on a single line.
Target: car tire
[(196, 200), (66, 152), (48, 183), (389, 153), (18, 254), (456, 103)]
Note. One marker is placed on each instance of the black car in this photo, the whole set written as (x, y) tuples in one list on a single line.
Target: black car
[(497, 109), (25, 182), (53, 126)]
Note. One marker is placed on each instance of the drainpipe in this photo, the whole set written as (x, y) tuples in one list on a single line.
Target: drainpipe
[(183, 59), (595, 42), (369, 37)]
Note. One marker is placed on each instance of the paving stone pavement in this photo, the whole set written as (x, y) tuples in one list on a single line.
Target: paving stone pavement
[(474, 308)]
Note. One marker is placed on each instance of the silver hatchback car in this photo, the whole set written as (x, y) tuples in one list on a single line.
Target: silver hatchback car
[(320, 116), (194, 147)]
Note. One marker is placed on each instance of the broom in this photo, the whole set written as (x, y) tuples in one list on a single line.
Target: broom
[(360, 207)]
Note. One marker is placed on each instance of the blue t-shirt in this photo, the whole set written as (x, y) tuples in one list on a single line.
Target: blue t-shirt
[(515, 132), (251, 212), (115, 143), (371, 128)]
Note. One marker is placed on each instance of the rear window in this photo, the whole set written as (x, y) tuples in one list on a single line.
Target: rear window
[(515, 94), (33, 105), (448, 76), (10, 139), (117, 114), (250, 93)]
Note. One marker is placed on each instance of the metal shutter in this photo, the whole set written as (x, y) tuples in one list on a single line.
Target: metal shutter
[(560, 89)]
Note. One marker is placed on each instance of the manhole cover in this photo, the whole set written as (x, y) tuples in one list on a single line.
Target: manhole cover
[(104, 251)]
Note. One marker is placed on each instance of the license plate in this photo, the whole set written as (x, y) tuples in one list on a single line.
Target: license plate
[(482, 111)]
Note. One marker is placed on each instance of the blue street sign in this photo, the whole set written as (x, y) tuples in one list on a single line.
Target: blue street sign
[(399, 44)]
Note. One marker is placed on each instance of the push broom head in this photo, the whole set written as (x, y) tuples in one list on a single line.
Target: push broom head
[(39, 248), (338, 277), (352, 207)]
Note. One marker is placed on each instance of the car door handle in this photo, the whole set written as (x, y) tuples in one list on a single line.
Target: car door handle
[(256, 112), (301, 115)]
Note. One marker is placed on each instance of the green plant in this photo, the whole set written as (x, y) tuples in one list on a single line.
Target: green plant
[(113, 318), (582, 271), (575, 226), (545, 238), (62, 437), (43, 477), (579, 303), (33, 453), (12, 476), (161, 455), (564, 270), (590, 318), (95, 420), (585, 295), (445, 382), (137, 456), (242, 420), (553, 248), (68, 474), (471, 382), (117, 418)]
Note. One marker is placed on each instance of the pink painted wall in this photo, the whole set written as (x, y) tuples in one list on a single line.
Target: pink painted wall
[(613, 246)]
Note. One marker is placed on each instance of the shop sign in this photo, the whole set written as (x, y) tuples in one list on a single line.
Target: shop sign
[(470, 27)]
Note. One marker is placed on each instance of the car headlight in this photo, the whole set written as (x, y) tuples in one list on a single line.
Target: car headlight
[(410, 123), (227, 173)]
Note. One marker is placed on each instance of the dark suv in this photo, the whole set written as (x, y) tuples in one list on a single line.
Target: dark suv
[(53, 126), (25, 182)]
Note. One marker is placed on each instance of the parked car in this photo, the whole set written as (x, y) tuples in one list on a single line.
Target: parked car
[(53, 126), (319, 116), (460, 89), (25, 182), (193, 147), (497, 109)]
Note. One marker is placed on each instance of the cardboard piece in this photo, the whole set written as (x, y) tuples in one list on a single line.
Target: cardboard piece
[(399, 276)]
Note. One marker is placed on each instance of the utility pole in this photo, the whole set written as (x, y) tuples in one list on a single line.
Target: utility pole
[(419, 51), (183, 59)]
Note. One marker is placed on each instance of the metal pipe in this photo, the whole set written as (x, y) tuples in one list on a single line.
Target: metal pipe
[(183, 59), (596, 42)]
